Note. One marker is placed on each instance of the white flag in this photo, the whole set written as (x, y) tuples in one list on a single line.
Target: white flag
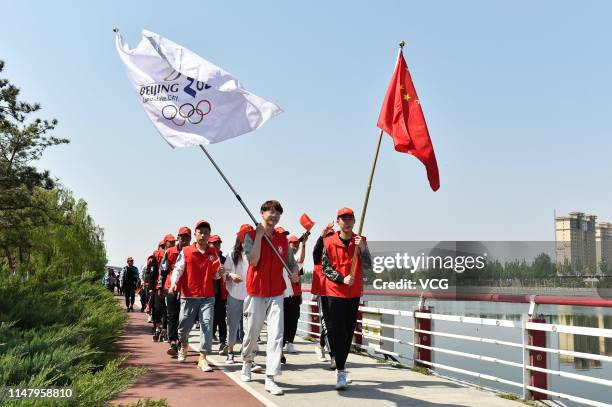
[(190, 100)]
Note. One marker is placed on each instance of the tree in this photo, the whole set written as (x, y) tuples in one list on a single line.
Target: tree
[(543, 267), (71, 243), (22, 141), (604, 268)]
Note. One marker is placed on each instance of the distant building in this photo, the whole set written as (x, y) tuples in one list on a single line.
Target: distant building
[(603, 247), (575, 244)]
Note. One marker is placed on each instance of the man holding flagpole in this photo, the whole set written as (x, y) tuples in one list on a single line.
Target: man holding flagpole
[(265, 288), (343, 289)]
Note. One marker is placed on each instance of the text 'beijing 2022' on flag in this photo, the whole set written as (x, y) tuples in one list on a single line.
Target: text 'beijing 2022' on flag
[(190, 100)]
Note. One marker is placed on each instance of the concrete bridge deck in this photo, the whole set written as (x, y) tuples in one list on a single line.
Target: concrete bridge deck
[(307, 381)]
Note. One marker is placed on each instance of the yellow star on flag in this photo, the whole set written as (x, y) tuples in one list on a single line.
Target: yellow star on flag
[(406, 97)]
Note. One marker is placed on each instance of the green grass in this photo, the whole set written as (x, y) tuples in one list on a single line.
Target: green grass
[(421, 370), (514, 397), (62, 332)]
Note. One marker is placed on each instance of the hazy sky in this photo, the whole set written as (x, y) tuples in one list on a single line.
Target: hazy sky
[(516, 96)]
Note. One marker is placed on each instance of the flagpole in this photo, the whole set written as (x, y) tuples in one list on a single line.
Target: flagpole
[(368, 189), (365, 202), (245, 207)]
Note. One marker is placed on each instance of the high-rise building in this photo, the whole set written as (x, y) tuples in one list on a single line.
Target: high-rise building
[(575, 244), (603, 247)]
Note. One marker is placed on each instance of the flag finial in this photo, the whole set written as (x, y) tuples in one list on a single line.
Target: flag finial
[(115, 30), (401, 44)]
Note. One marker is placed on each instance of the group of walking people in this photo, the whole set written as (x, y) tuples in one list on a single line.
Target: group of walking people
[(185, 283)]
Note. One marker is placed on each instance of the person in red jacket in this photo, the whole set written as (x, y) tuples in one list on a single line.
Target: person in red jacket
[(220, 299), (151, 276), (265, 287), (342, 289), (173, 306), (160, 315), (317, 289), (291, 305), (194, 273)]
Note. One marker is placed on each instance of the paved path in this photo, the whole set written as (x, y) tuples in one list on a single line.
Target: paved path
[(306, 380), (181, 384)]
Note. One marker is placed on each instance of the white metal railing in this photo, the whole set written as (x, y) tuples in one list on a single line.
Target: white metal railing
[(525, 325)]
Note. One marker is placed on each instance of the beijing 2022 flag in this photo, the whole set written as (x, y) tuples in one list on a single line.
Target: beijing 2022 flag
[(190, 100)]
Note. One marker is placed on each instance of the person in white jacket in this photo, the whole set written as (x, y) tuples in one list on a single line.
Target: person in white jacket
[(235, 267)]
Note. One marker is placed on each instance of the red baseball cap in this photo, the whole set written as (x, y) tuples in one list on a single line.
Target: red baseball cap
[(293, 239), (169, 238), (345, 211), (214, 239), (130, 259), (202, 223), (244, 229), (281, 230), (184, 230), (161, 242)]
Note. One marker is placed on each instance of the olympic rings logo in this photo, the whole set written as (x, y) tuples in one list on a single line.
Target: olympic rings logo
[(187, 112)]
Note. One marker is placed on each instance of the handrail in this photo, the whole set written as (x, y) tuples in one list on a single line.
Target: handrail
[(509, 298), (529, 325)]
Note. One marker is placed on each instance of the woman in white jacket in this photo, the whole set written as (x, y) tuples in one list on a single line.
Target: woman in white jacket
[(236, 266)]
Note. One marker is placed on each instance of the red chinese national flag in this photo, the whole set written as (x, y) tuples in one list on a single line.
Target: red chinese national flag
[(402, 118)]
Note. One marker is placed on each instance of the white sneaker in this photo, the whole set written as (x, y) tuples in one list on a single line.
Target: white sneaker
[(320, 353), (290, 348), (255, 368), (245, 374), (341, 380), (273, 388), (204, 366), (182, 353)]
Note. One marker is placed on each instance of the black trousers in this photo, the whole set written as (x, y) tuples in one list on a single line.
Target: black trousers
[(341, 319), (143, 299), (130, 296), (159, 309), (173, 309), (291, 314), (150, 300), (219, 322), (323, 341)]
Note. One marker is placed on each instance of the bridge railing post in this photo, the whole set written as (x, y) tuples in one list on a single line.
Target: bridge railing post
[(422, 338), (525, 342), (314, 309), (359, 326), (537, 359)]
